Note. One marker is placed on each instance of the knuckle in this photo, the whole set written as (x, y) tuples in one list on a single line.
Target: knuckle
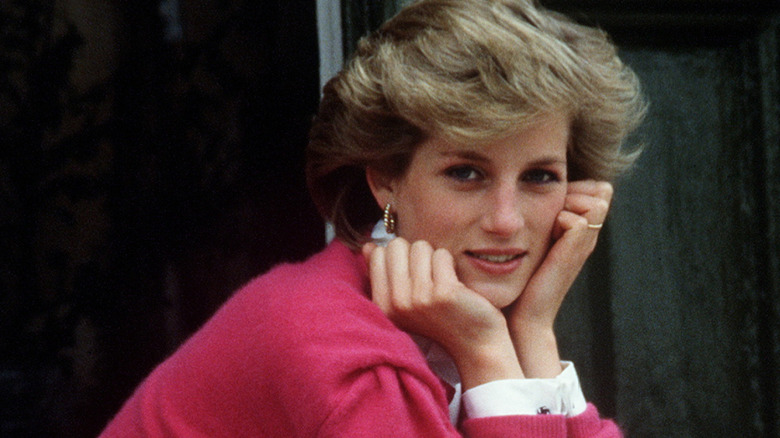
[(442, 293), (605, 189), (422, 301), (399, 243), (442, 254), (400, 307), (423, 285), (421, 247), (421, 244)]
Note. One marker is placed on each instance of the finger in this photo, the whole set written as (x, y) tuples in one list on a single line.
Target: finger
[(570, 251), (568, 221), (581, 240), (420, 270), (590, 199), (599, 189), (593, 208), (378, 275), (443, 269), (398, 273), (367, 249)]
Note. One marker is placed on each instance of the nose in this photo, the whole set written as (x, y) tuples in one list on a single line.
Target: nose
[(503, 215)]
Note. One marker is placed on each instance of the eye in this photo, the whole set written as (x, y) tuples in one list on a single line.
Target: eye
[(464, 173), (540, 176)]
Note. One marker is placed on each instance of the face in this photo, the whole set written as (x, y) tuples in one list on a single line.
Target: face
[(492, 205)]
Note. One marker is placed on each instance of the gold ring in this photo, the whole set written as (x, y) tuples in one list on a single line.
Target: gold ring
[(595, 226)]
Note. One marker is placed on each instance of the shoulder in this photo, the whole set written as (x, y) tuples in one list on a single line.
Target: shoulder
[(318, 310), (313, 327), (301, 338), (332, 277)]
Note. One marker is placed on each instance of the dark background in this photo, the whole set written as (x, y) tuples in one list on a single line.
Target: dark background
[(151, 163)]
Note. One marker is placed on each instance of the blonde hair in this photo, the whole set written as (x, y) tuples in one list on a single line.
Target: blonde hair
[(467, 70)]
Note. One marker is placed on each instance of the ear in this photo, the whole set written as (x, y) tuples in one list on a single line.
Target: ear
[(382, 186)]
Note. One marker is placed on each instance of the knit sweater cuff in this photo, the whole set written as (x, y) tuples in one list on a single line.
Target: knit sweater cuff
[(533, 426)]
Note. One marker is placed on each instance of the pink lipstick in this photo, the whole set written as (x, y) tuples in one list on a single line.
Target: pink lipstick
[(496, 261)]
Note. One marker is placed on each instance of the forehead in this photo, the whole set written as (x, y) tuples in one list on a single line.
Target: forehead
[(548, 136)]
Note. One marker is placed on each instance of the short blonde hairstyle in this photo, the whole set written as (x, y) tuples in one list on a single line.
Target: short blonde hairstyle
[(469, 71)]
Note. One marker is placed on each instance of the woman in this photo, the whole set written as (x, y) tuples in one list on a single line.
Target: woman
[(479, 137)]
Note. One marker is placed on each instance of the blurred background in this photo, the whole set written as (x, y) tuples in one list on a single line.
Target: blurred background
[(151, 162)]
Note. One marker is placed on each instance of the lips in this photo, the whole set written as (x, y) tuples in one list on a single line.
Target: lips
[(496, 262), (494, 258)]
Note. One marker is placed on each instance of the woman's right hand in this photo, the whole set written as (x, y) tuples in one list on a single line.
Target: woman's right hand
[(418, 289)]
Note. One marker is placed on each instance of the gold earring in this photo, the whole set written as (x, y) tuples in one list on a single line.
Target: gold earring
[(389, 219)]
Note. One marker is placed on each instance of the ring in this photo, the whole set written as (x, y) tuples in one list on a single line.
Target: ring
[(595, 226)]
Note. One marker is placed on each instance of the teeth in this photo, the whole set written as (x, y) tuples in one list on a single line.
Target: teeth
[(495, 258)]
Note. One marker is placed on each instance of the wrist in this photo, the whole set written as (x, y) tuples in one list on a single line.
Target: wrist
[(487, 362), (537, 351)]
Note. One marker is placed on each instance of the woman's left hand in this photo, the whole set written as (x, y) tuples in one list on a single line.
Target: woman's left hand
[(532, 316)]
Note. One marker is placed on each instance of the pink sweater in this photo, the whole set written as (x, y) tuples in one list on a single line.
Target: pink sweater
[(301, 352)]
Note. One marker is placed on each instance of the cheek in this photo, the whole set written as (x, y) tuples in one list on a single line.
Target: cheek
[(433, 221), (546, 214), (431, 215)]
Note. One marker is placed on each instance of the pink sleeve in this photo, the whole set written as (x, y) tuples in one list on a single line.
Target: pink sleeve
[(387, 402), (586, 425), (525, 426), (590, 425)]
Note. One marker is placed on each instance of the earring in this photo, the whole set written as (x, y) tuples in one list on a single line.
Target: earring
[(389, 219)]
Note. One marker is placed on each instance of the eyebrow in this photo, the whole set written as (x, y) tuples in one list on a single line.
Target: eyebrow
[(476, 156), (466, 154)]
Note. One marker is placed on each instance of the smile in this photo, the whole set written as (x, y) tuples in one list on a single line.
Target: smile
[(496, 262), (494, 258)]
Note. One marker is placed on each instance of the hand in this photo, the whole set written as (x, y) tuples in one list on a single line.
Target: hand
[(417, 288), (532, 316)]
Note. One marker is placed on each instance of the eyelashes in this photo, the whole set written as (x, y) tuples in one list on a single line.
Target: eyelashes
[(537, 176), (465, 173), (541, 176)]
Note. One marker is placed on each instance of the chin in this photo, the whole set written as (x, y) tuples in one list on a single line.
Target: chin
[(499, 296)]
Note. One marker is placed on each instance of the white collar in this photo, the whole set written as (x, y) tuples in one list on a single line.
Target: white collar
[(380, 236)]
